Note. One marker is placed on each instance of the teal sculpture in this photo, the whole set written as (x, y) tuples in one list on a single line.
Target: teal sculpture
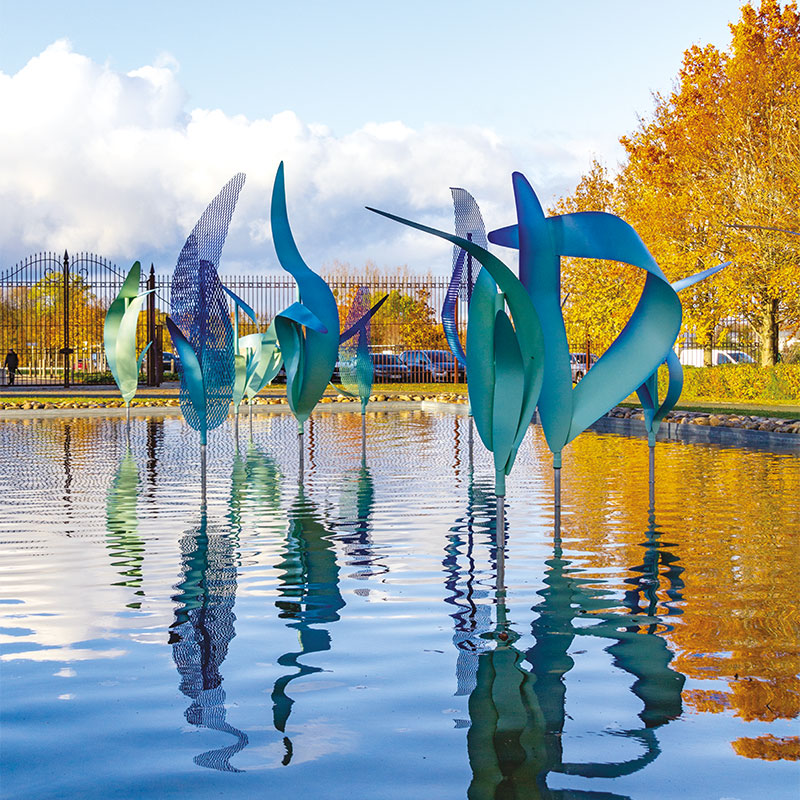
[(119, 337), (505, 361), (634, 355), (308, 331)]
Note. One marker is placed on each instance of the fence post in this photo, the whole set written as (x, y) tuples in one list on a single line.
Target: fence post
[(66, 349), (152, 377)]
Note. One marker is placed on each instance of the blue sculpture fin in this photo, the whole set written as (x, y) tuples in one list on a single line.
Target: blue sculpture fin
[(240, 303), (690, 280), (354, 329), (506, 237), (303, 315)]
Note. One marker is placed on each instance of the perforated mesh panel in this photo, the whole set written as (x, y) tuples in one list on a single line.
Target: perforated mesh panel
[(468, 225), (200, 307)]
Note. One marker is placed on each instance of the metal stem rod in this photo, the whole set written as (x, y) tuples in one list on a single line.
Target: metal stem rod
[(652, 482), (203, 475), (363, 438), (300, 448)]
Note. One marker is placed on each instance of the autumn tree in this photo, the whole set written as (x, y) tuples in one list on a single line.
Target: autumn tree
[(716, 169)]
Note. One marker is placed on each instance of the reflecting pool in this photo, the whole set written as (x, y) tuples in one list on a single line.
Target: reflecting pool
[(341, 639)]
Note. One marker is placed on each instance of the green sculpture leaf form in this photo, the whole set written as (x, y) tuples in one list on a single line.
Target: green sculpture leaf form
[(119, 335), (308, 332), (264, 359), (503, 395)]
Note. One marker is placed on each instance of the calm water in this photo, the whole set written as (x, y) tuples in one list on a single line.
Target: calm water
[(340, 640)]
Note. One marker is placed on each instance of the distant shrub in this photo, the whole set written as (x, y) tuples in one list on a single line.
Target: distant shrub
[(740, 382)]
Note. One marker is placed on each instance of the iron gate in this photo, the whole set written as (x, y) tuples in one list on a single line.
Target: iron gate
[(52, 310)]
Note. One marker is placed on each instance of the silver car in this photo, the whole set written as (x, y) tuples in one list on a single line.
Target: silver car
[(578, 365)]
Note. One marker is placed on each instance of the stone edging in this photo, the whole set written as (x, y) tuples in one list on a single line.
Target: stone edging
[(679, 426)]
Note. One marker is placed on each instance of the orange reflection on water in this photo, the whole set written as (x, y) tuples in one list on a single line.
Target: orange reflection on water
[(728, 522)]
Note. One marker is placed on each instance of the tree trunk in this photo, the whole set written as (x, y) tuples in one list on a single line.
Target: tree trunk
[(708, 346), (768, 330)]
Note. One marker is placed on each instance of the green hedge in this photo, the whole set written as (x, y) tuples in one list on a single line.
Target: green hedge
[(739, 382)]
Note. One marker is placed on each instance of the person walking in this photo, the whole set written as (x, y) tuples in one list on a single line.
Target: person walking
[(11, 364)]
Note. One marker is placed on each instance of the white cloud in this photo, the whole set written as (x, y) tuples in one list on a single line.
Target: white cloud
[(92, 159)]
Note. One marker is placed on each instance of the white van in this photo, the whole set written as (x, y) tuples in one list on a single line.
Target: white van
[(693, 357)]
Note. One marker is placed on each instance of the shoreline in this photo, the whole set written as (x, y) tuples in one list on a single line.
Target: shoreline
[(680, 426)]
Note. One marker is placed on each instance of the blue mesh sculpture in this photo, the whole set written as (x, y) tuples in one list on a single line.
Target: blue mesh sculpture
[(468, 225), (200, 323)]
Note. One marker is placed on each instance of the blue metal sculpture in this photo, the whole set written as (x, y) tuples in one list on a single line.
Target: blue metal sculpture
[(635, 354), (504, 362), (200, 323), (308, 331), (119, 337)]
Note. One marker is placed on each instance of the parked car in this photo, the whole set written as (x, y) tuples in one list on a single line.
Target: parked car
[(432, 366), (694, 357), (388, 367), (170, 362), (577, 363)]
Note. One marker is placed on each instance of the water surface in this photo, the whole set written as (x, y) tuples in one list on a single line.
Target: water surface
[(341, 638)]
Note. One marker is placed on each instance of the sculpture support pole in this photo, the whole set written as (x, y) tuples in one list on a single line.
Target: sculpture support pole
[(469, 439), (236, 427), (363, 439), (500, 518), (300, 448), (250, 416), (203, 482), (557, 482), (652, 453), (128, 423)]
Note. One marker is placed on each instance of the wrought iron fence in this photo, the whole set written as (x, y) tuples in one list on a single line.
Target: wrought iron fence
[(52, 310)]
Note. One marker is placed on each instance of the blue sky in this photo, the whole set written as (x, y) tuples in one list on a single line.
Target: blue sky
[(143, 109)]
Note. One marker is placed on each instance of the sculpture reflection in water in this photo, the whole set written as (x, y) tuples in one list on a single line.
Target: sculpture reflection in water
[(123, 541), (517, 710), (204, 619), (309, 597), (353, 528)]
